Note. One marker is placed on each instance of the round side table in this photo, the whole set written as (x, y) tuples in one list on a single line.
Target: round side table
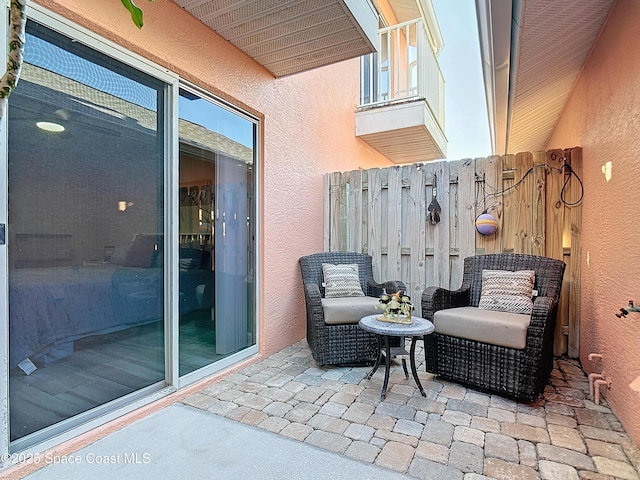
[(383, 330)]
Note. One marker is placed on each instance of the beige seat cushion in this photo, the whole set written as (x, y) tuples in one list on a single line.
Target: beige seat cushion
[(348, 309), (496, 328)]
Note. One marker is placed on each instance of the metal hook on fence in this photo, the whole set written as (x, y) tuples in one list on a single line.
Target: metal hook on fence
[(434, 207)]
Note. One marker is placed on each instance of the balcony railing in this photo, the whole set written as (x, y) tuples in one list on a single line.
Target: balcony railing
[(404, 69)]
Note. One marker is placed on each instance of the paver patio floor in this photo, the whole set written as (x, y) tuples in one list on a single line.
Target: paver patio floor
[(452, 433)]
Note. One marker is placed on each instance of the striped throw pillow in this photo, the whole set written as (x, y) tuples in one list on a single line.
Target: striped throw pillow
[(341, 280), (507, 291)]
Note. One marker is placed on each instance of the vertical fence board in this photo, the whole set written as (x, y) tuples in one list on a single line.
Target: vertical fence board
[(354, 213), (342, 225), (407, 220), (509, 204), (554, 247), (364, 196), (575, 218), (457, 228), (489, 184), (524, 215), (374, 201), (441, 249), (384, 213), (466, 209), (429, 176), (347, 211), (416, 208), (538, 201), (384, 219), (452, 213), (336, 190), (327, 212), (494, 169), (555, 210), (394, 223)]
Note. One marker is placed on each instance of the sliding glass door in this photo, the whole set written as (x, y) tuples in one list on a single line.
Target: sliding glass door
[(217, 231), (130, 234), (85, 234)]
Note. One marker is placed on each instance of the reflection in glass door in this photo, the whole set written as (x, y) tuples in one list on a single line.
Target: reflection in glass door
[(217, 224), (85, 234)]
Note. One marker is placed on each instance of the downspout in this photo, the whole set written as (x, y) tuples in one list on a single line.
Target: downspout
[(485, 33), (516, 21), (495, 24)]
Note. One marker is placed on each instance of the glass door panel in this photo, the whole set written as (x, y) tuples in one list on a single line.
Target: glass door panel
[(85, 225), (217, 222)]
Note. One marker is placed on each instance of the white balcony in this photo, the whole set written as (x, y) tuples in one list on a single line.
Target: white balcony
[(401, 111)]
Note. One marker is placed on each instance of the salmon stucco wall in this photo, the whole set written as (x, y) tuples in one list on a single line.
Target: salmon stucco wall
[(603, 117), (308, 125)]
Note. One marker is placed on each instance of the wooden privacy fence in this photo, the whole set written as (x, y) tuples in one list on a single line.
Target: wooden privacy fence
[(535, 197)]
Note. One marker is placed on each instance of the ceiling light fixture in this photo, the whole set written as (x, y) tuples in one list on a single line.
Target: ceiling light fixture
[(50, 126)]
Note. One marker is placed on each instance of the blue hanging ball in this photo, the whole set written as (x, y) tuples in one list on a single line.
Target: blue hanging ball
[(486, 224)]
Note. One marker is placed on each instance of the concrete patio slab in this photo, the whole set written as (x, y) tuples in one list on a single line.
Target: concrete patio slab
[(182, 442)]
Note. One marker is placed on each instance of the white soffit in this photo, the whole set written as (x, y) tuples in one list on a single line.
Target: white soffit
[(291, 36), (556, 37), (407, 10)]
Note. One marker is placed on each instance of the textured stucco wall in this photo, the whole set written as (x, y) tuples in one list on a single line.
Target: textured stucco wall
[(308, 130), (603, 117)]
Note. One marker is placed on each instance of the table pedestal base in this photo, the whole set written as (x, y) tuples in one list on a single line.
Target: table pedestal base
[(388, 351)]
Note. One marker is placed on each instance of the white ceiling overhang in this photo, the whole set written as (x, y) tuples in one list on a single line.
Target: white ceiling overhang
[(292, 36), (532, 53), (407, 10)]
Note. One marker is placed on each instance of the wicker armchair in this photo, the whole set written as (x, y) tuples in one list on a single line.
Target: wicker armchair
[(517, 373), (340, 344)]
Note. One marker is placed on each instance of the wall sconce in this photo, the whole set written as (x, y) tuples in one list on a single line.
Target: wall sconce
[(123, 205)]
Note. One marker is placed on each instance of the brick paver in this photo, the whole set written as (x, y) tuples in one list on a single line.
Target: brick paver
[(297, 431), (525, 432), (273, 424), (359, 432), (566, 456), (615, 468), (557, 471), (502, 470), (358, 413), (362, 451), (408, 427), (432, 451), (396, 456), (466, 457), (452, 433), (328, 423), (528, 456), (438, 432), (328, 441), (502, 447)]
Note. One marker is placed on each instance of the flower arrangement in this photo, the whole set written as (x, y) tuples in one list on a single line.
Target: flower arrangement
[(397, 307)]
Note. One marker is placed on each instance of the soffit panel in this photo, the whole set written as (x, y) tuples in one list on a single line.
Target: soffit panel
[(556, 38), (409, 146), (291, 36), (405, 10)]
